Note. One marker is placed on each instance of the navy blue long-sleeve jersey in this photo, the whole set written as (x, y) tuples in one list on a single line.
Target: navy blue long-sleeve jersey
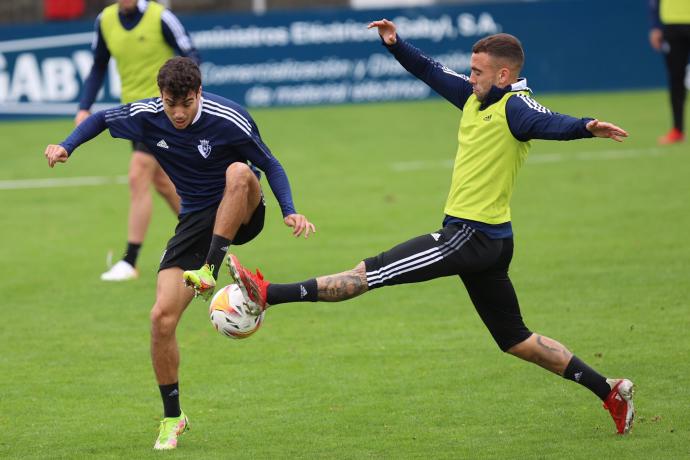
[(174, 34), (527, 119), (197, 156)]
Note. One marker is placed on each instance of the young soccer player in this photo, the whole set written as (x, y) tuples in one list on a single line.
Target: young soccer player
[(204, 143), (476, 240)]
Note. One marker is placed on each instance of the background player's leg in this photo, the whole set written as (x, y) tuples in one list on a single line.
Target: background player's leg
[(141, 171), (142, 167), (676, 64), (166, 189)]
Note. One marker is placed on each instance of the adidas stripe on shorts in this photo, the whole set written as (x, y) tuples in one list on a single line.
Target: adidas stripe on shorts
[(458, 249)]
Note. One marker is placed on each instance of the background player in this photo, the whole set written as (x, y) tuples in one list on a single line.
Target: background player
[(203, 142), (476, 241), (141, 36), (670, 34)]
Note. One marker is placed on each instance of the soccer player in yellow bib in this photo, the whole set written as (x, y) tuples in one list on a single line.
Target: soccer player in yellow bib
[(499, 118), (141, 36), (670, 34)]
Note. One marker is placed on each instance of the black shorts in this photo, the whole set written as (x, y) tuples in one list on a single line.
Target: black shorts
[(140, 147), (189, 246), (481, 263)]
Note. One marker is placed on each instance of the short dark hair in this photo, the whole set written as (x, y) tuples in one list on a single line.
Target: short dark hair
[(502, 46), (178, 76)]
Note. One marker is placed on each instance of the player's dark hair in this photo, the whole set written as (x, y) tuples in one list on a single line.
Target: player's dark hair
[(178, 76), (505, 47)]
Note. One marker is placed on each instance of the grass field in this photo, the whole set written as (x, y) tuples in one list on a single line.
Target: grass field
[(601, 263)]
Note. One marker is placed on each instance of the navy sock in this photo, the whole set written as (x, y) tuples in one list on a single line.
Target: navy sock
[(305, 291), (171, 399), (216, 253), (579, 372), (132, 253)]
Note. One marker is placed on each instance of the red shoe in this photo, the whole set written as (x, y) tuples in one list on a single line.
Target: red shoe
[(252, 286), (619, 403), (672, 137)]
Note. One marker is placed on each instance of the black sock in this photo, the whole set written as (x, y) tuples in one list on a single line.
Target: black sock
[(216, 253), (171, 399), (132, 253), (305, 291), (579, 372)]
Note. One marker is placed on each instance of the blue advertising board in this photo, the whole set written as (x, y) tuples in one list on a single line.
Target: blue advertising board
[(329, 56)]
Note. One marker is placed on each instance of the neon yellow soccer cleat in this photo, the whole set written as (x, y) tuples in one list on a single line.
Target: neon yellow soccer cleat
[(201, 281), (171, 428)]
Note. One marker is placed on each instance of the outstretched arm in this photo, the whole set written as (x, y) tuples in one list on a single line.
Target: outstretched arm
[(527, 119), (87, 130), (55, 154), (605, 129), (446, 82), (387, 31)]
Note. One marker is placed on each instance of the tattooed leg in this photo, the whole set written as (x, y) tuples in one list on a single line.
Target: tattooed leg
[(543, 351), (343, 286)]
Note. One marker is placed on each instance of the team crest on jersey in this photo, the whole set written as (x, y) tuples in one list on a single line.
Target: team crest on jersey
[(204, 148)]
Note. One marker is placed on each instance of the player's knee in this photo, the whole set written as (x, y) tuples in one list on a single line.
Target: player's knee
[(141, 169), (238, 171), (238, 177), (139, 180), (361, 271)]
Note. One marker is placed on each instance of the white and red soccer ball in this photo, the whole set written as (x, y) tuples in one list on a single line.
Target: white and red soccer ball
[(230, 314)]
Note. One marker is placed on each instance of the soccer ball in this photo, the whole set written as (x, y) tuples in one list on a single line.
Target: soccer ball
[(230, 315)]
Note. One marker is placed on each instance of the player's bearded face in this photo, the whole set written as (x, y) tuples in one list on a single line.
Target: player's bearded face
[(485, 74), (181, 111)]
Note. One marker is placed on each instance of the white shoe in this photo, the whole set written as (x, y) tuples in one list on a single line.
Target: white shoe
[(121, 271)]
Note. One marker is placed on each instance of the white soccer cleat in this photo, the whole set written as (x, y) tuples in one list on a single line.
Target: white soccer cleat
[(121, 271)]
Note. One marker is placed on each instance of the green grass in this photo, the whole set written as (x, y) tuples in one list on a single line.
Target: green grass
[(601, 264)]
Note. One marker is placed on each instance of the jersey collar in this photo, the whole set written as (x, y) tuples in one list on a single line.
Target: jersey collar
[(496, 93), (520, 85), (198, 112)]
